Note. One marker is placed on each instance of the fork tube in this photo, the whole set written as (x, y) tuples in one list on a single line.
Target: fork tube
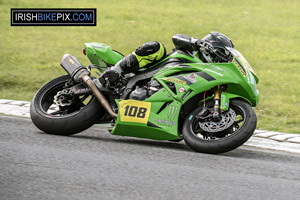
[(217, 111)]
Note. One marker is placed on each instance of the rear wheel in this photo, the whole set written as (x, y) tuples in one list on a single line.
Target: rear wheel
[(208, 137), (73, 115)]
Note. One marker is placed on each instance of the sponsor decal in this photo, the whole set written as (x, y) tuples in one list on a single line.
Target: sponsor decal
[(98, 46), (191, 117), (53, 17), (239, 66), (163, 122), (191, 77), (212, 71), (244, 61), (172, 112), (216, 68), (71, 61), (82, 90), (174, 80), (181, 89)]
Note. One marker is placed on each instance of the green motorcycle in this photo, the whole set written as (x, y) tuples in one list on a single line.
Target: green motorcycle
[(208, 105)]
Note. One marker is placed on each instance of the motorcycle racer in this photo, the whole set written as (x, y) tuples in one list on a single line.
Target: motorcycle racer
[(212, 48)]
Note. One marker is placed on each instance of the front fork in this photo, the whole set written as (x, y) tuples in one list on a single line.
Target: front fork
[(216, 113), (217, 110)]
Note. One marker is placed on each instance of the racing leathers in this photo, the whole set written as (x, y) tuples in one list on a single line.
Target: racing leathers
[(149, 54)]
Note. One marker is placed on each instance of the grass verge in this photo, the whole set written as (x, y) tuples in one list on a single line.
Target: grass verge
[(265, 31)]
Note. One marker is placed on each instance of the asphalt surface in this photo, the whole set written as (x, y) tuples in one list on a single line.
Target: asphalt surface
[(96, 165)]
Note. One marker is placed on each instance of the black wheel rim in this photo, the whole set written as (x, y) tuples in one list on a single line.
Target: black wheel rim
[(225, 134), (51, 109)]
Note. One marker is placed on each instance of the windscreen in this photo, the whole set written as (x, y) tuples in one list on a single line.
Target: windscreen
[(243, 60)]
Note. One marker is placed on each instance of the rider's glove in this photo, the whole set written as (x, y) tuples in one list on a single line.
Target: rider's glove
[(109, 77), (206, 49), (203, 45)]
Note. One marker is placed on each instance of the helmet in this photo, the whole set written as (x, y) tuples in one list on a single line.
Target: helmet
[(219, 42)]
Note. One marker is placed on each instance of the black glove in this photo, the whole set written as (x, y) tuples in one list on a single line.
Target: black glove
[(205, 49), (203, 45), (109, 76)]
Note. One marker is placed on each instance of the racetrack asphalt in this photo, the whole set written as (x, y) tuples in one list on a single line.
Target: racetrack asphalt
[(96, 165), (261, 138)]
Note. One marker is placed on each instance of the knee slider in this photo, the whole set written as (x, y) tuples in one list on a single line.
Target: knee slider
[(147, 49)]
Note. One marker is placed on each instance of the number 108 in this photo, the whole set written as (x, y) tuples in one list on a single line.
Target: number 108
[(134, 111)]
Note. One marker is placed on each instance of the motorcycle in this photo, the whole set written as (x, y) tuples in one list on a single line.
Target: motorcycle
[(208, 105)]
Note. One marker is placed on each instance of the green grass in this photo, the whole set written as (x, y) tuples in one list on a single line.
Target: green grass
[(267, 32)]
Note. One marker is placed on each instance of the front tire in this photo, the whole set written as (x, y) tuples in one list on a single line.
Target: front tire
[(224, 141), (68, 120)]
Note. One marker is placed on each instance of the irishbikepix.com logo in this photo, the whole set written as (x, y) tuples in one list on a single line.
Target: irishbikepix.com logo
[(53, 17)]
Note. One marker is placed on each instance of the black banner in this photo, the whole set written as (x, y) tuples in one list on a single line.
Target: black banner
[(53, 17)]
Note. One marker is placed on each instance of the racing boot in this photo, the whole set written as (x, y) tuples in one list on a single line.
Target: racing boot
[(111, 76)]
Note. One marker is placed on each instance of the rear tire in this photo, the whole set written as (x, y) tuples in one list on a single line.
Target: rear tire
[(76, 118), (215, 145)]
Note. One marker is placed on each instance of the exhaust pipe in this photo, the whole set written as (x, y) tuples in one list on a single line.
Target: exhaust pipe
[(79, 73), (90, 83)]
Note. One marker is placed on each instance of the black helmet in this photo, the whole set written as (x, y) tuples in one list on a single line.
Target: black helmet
[(219, 42)]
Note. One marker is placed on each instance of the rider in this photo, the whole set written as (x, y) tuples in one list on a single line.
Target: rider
[(212, 48)]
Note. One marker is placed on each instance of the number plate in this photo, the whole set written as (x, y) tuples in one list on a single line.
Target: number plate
[(134, 111)]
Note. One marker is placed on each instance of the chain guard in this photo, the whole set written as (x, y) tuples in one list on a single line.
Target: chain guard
[(211, 126)]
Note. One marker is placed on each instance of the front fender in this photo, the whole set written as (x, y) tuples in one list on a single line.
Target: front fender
[(226, 97)]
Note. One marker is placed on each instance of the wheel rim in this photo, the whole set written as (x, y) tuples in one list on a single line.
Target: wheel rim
[(222, 135), (50, 109)]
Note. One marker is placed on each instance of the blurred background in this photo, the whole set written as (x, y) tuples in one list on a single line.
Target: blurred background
[(266, 32)]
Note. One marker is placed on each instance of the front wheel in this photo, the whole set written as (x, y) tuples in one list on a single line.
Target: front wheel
[(77, 113), (209, 137)]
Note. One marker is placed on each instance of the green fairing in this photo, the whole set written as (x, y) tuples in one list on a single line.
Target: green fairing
[(166, 123), (100, 54), (184, 56), (166, 105), (243, 87)]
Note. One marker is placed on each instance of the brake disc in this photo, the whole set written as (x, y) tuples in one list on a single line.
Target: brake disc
[(227, 120), (62, 98)]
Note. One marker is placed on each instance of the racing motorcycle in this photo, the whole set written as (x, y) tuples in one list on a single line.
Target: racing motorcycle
[(208, 105)]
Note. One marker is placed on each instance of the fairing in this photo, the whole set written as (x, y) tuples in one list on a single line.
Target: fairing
[(158, 116)]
